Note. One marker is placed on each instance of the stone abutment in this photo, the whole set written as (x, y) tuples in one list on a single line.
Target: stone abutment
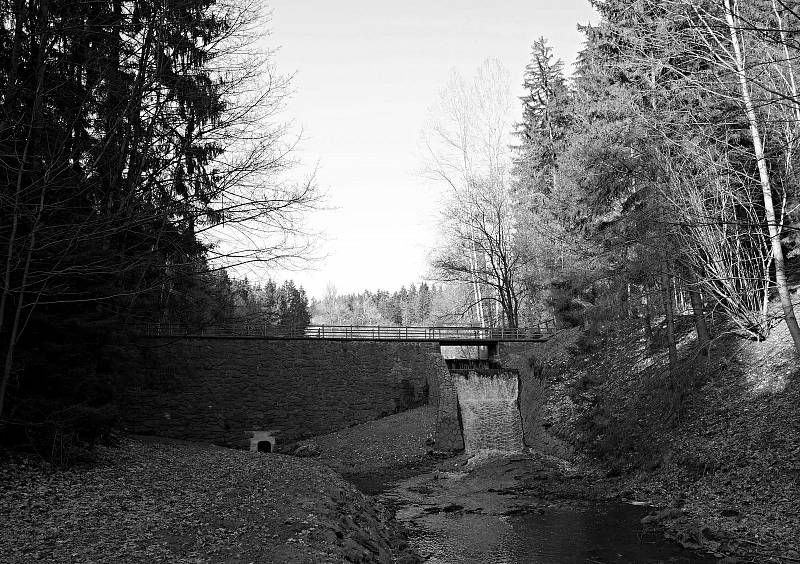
[(231, 391), (246, 392)]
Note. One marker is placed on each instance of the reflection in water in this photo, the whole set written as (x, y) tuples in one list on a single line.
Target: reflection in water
[(611, 534)]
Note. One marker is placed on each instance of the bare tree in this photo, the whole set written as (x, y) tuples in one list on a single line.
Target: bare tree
[(468, 150), (480, 222), (721, 238), (738, 59), (750, 64)]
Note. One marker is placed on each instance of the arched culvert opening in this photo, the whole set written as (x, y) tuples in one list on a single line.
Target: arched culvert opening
[(262, 441)]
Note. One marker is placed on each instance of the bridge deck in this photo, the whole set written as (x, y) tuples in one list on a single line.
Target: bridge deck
[(441, 335)]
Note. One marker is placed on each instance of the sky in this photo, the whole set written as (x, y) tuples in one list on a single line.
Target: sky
[(366, 73)]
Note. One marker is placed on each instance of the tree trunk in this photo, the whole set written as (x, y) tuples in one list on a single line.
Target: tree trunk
[(669, 314), (766, 187), (476, 285), (699, 320), (648, 322), (13, 337), (14, 332)]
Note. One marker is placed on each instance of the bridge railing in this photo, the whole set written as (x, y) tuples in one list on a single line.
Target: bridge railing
[(351, 332)]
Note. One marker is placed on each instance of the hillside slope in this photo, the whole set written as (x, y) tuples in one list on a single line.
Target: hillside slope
[(721, 443)]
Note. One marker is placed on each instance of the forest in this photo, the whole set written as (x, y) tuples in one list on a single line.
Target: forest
[(656, 180), (142, 154)]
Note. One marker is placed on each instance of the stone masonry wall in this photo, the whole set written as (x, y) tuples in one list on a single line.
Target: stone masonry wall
[(448, 436), (221, 390), (527, 358), (532, 388)]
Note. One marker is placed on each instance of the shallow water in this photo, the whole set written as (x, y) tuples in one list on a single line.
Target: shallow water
[(598, 535)]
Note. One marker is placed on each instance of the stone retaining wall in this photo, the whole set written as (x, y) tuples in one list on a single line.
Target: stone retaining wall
[(529, 359), (532, 387), (221, 390), (448, 436)]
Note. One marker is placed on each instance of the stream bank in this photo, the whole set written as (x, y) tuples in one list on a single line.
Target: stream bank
[(462, 506), (513, 509), (390, 460), (153, 500), (724, 466)]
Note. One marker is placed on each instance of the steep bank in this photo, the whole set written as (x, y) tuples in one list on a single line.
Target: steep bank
[(727, 461), (183, 502)]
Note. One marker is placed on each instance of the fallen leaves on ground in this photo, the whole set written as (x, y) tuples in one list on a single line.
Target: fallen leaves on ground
[(377, 452), (187, 503)]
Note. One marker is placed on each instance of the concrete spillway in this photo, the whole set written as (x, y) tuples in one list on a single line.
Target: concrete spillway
[(488, 402)]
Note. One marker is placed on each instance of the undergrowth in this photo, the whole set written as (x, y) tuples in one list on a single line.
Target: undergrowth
[(615, 398)]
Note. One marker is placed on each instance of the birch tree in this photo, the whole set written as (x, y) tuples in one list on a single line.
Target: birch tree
[(744, 58), (466, 147)]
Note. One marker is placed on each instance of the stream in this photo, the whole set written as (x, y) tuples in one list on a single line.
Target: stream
[(504, 504), (597, 534), (498, 511)]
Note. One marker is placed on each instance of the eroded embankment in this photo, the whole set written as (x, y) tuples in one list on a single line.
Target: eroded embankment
[(183, 502)]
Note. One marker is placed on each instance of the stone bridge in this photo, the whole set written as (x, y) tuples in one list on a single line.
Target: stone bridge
[(240, 390)]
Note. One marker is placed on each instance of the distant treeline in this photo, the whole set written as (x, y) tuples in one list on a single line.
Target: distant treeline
[(421, 305), (216, 298)]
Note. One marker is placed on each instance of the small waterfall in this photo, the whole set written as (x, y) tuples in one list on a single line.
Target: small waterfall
[(490, 414)]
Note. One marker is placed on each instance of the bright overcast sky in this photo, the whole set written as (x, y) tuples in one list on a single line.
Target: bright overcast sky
[(367, 72)]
